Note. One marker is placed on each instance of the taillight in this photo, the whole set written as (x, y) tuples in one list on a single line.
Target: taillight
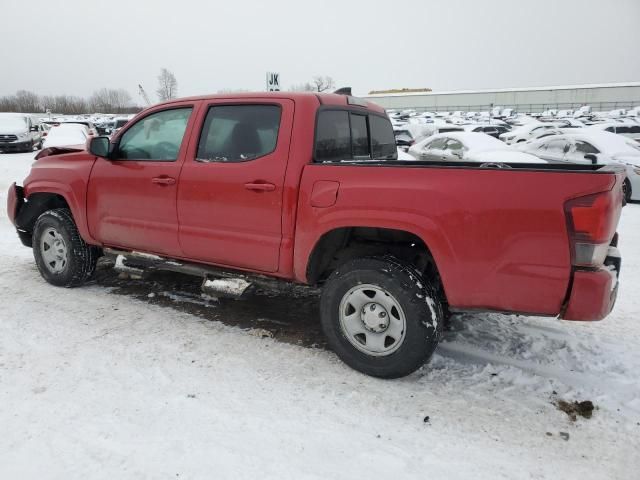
[(592, 222)]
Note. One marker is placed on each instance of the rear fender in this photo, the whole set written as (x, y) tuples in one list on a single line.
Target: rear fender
[(423, 228)]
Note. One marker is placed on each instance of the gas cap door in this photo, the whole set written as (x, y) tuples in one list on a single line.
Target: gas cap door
[(324, 193)]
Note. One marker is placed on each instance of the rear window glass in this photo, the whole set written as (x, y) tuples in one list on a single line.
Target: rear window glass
[(382, 139), (341, 135)]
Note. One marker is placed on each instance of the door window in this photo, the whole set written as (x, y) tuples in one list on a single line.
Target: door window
[(156, 137), (454, 145), (584, 147), (239, 133), (557, 146), (437, 144)]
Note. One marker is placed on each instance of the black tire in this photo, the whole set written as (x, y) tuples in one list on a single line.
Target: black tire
[(79, 260), (424, 321), (626, 191)]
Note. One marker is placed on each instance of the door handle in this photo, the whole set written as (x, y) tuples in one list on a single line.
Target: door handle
[(260, 187), (163, 181)]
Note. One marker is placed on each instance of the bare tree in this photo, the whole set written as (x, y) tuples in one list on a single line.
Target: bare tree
[(27, 102), (104, 100), (108, 100), (232, 90), (323, 83), (167, 85), (319, 83), (302, 87)]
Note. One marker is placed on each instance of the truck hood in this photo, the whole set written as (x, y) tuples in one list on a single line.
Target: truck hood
[(50, 151), (13, 131)]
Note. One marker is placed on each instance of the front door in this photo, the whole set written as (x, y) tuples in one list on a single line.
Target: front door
[(232, 184), (131, 199)]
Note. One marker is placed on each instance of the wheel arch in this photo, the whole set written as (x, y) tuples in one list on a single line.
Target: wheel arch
[(340, 244), (47, 196)]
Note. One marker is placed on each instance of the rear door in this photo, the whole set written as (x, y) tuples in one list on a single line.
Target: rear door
[(131, 199), (232, 183)]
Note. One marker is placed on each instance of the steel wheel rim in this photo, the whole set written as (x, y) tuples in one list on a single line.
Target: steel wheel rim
[(372, 320), (53, 250)]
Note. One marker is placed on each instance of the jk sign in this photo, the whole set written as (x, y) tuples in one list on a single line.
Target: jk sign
[(273, 82)]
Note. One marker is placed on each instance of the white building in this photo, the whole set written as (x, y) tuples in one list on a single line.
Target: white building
[(602, 97)]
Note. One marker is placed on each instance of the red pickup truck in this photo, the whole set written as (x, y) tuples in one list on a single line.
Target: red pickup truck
[(308, 188)]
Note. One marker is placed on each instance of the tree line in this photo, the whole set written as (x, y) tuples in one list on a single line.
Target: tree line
[(118, 100), (104, 100)]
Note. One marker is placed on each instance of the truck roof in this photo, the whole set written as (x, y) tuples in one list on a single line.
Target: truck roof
[(322, 98)]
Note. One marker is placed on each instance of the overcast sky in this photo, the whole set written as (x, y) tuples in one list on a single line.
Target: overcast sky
[(77, 46)]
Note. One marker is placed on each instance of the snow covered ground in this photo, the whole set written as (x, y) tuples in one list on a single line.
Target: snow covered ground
[(99, 385)]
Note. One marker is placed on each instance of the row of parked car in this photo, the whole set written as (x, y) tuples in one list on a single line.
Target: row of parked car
[(588, 138), (21, 132)]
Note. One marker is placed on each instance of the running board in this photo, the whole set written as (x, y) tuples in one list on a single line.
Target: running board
[(216, 281)]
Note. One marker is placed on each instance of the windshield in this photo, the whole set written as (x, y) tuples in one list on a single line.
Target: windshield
[(13, 123)]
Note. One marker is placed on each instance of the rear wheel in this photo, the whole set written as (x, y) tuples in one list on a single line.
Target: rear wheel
[(381, 317), (62, 256)]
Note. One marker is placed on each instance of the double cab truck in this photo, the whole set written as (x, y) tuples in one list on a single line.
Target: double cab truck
[(307, 188)]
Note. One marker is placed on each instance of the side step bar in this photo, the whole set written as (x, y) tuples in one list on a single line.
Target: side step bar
[(215, 281)]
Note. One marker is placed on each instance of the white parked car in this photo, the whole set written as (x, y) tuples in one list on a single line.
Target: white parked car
[(468, 147), (593, 147), (66, 134), (410, 133), (402, 155), (19, 133), (627, 129), (526, 132)]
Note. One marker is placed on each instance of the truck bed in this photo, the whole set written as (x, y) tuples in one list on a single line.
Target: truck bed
[(499, 236)]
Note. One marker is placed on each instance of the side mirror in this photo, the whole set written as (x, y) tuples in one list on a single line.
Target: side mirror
[(34, 128), (591, 157), (99, 146)]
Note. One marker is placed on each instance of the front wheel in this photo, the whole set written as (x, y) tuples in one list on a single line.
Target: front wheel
[(381, 317), (62, 256)]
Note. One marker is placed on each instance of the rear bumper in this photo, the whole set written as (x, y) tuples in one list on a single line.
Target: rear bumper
[(594, 291)]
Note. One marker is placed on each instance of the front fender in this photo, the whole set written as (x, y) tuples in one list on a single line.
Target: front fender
[(75, 201)]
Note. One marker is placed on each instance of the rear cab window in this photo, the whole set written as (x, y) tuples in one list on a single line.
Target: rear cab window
[(345, 134)]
